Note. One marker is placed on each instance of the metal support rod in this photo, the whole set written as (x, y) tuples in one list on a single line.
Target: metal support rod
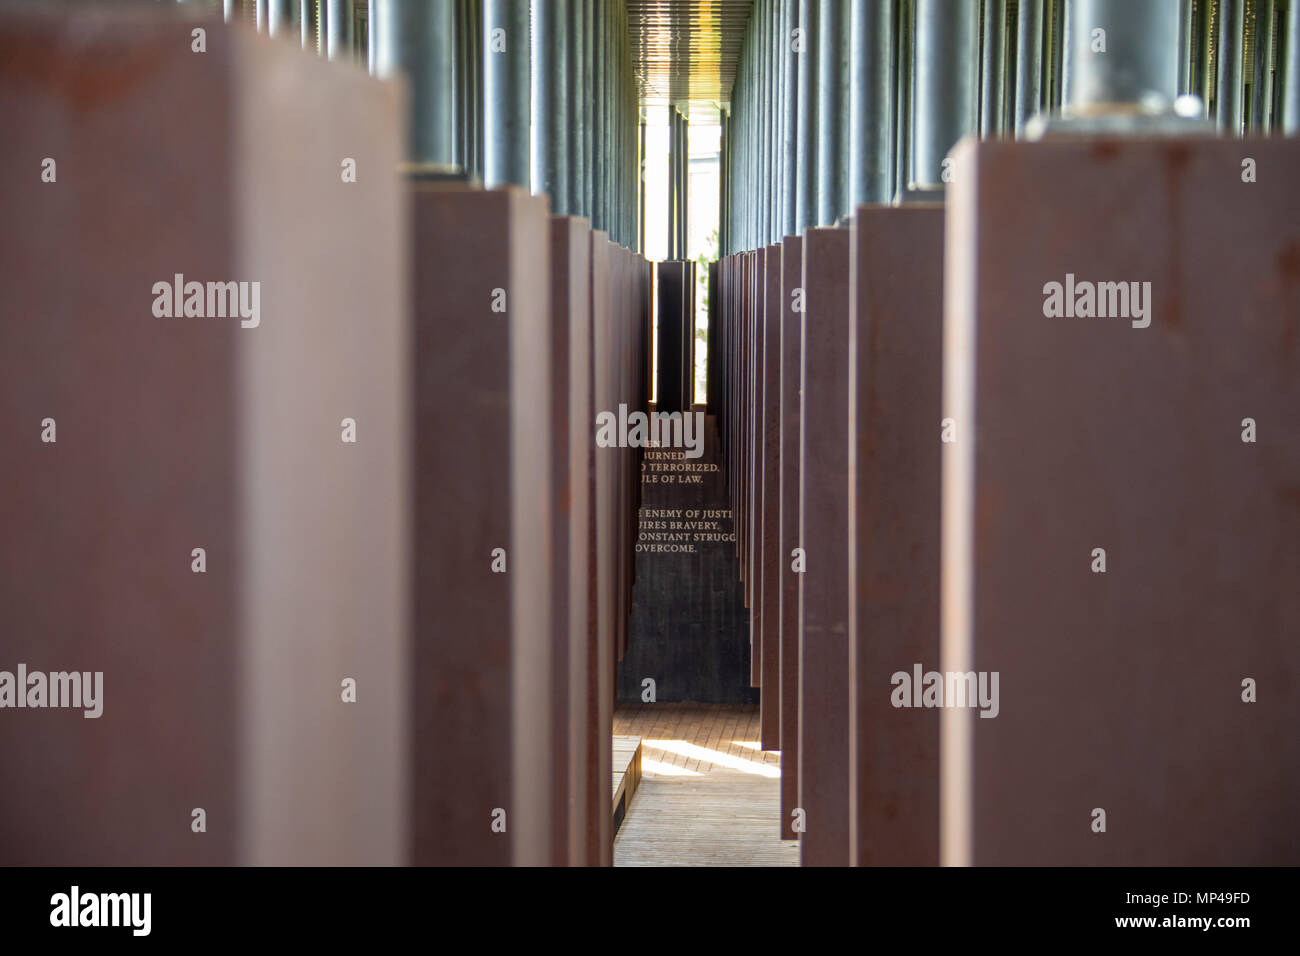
[(830, 110), (945, 85), (1230, 93), (904, 54), (1261, 86), (577, 108), (1186, 58), (1121, 54), (459, 84), (340, 36), (993, 69), (724, 187), (805, 191), (766, 115), (871, 102), (415, 37), (672, 182), (550, 108), (789, 115), (505, 92), (588, 126), (282, 18), (1288, 73), (641, 190), (598, 131), (683, 182), (1029, 63), (305, 10)]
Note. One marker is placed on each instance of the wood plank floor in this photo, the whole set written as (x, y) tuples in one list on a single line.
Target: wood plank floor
[(708, 795)]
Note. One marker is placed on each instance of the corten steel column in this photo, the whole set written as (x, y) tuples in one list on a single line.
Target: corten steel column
[(895, 398), (791, 334), (871, 103), (550, 107), (832, 107), (415, 37), (1230, 91), (823, 534), (993, 69), (340, 29), (805, 190), (1124, 684), (1140, 65), (945, 84), (506, 84), (282, 18), (1029, 63), (789, 114), (768, 523), (1288, 72)]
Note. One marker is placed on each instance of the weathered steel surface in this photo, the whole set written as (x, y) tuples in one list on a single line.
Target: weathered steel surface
[(482, 482), (221, 690), (1123, 690), (895, 396), (769, 510), (791, 333), (823, 534), (572, 418)]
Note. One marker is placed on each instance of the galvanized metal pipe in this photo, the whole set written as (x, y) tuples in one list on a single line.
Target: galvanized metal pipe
[(1289, 71), (505, 92), (905, 54), (993, 69), (683, 189), (871, 102), (305, 10), (1139, 67), (672, 182), (588, 127), (1230, 92), (415, 37), (577, 108), (640, 188), (805, 190), (1261, 86), (945, 85), (550, 107), (598, 132), (459, 84), (340, 29), (282, 18), (1029, 63), (831, 109)]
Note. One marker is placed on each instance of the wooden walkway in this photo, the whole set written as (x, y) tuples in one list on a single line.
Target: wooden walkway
[(708, 795)]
